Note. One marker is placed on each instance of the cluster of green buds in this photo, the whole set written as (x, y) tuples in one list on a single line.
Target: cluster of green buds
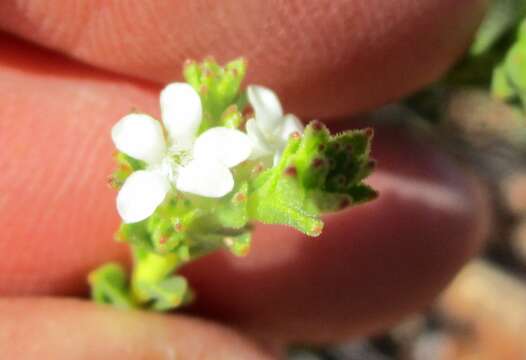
[(194, 182)]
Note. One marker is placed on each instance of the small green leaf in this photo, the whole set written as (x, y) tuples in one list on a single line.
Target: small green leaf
[(109, 286), (501, 86), (502, 16), (282, 200), (509, 78), (317, 173), (167, 294)]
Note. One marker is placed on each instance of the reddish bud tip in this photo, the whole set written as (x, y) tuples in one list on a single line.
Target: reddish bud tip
[(316, 125), (317, 229), (257, 169), (163, 240), (369, 132), (318, 163), (240, 197), (125, 167), (119, 237), (295, 135), (291, 171), (231, 109), (178, 227)]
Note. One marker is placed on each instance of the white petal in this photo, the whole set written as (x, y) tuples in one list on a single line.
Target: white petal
[(139, 136), (181, 112), (260, 147), (228, 146), (140, 195), (206, 178), (291, 124), (266, 107)]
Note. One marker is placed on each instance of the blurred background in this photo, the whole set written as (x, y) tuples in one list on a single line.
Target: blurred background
[(477, 113)]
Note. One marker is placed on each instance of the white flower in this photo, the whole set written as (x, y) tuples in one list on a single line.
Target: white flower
[(199, 166), (269, 131)]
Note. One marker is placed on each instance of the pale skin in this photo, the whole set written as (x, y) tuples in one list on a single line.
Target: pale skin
[(373, 265)]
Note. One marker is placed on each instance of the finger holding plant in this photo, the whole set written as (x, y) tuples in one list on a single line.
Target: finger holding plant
[(195, 181)]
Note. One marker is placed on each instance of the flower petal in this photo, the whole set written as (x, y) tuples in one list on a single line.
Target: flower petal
[(205, 177), (139, 136), (140, 195), (267, 108), (181, 112), (228, 146), (260, 147), (291, 124)]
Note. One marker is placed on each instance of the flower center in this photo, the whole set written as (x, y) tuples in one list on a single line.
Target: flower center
[(172, 160)]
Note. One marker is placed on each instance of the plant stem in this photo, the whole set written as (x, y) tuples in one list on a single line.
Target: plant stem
[(150, 268)]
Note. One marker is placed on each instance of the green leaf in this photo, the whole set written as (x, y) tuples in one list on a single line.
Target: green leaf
[(168, 294), (501, 17), (515, 66), (501, 86), (109, 286), (496, 35), (317, 173), (509, 78), (282, 200)]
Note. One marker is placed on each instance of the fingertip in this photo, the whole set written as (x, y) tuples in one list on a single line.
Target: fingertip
[(46, 328), (336, 59), (58, 213)]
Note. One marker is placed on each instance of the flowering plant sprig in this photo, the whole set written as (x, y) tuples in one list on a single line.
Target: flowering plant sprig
[(193, 183)]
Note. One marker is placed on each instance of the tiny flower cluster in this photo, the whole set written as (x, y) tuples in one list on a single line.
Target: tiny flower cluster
[(189, 162), (194, 182)]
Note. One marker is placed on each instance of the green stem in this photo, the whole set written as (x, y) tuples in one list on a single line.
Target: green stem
[(150, 268)]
